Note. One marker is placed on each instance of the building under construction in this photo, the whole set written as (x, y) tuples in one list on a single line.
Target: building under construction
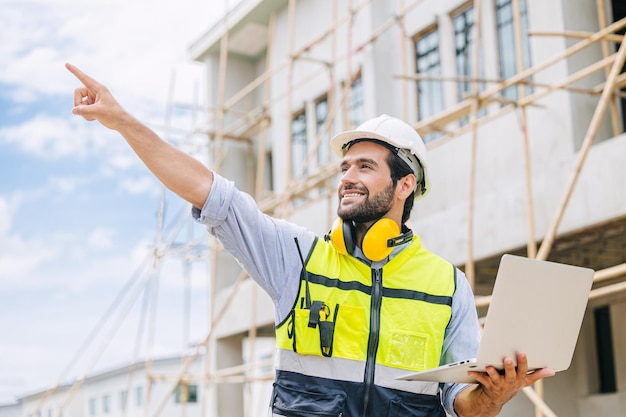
[(522, 104)]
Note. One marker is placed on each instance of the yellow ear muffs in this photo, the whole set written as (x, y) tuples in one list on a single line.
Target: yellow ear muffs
[(377, 242), (375, 245), (341, 235)]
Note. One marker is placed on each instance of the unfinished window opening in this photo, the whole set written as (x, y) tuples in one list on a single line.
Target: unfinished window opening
[(604, 350)]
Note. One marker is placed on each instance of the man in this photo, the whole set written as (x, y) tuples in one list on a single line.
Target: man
[(354, 310)]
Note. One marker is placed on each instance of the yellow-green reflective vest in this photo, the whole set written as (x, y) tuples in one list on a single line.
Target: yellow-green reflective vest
[(386, 321)]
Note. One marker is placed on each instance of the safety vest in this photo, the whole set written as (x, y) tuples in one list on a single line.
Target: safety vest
[(354, 329)]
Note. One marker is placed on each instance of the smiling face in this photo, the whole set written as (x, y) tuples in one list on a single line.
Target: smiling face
[(366, 191)]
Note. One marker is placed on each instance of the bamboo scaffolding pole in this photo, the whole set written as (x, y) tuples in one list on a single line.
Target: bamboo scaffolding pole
[(154, 296), (609, 273), (546, 245), (580, 34), (218, 157), (528, 83), (537, 400), (260, 170), (242, 369), (470, 272), (246, 379), (531, 246), (608, 290)]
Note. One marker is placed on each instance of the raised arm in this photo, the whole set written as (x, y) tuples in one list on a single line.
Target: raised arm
[(178, 171)]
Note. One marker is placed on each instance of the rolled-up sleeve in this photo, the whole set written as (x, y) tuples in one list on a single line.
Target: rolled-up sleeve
[(462, 337), (216, 206)]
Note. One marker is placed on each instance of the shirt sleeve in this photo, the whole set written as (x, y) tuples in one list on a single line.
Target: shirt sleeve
[(264, 247), (462, 337)]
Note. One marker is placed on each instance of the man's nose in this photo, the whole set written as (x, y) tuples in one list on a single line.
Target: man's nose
[(349, 176)]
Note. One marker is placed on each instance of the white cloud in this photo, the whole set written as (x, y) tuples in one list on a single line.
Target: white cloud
[(51, 137), (142, 185), (66, 185), (101, 238), (6, 214), (123, 160), (19, 259)]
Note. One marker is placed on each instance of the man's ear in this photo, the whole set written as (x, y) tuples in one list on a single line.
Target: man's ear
[(405, 186)]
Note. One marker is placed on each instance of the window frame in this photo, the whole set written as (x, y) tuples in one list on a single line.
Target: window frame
[(429, 93)]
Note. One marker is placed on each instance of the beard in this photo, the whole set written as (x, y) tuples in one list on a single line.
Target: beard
[(373, 208)]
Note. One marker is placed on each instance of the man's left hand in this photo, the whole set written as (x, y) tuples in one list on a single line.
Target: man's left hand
[(495, 388)]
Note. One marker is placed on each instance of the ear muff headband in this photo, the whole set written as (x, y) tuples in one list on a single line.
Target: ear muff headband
[(377, 242)]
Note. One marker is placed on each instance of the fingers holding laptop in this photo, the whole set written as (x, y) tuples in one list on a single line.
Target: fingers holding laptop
[(501, 386), (496, 387)]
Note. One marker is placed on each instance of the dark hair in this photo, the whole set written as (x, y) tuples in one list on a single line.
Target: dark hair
[(400, 169)]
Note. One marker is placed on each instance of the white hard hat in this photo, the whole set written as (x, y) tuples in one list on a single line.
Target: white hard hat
[(400, 135)]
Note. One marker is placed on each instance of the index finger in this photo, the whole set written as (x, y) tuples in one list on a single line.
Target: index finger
[(84, 78)]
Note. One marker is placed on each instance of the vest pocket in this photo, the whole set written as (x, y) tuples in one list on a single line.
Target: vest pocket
[(431, 408), (351, 333), (346, 333), (291, 402), (407, 350), (307, 340)]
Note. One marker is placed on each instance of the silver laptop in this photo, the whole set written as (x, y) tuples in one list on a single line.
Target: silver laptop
[(537, 307)]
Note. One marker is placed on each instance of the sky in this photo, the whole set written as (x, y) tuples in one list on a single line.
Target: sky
[(78, 211)]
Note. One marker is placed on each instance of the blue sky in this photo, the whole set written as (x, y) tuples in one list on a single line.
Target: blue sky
[(78, 212)]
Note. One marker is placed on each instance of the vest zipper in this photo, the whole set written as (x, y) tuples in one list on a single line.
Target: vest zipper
[(372, 343)]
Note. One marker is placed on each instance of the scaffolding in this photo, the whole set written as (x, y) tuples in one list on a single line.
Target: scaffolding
[(228, 123)]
